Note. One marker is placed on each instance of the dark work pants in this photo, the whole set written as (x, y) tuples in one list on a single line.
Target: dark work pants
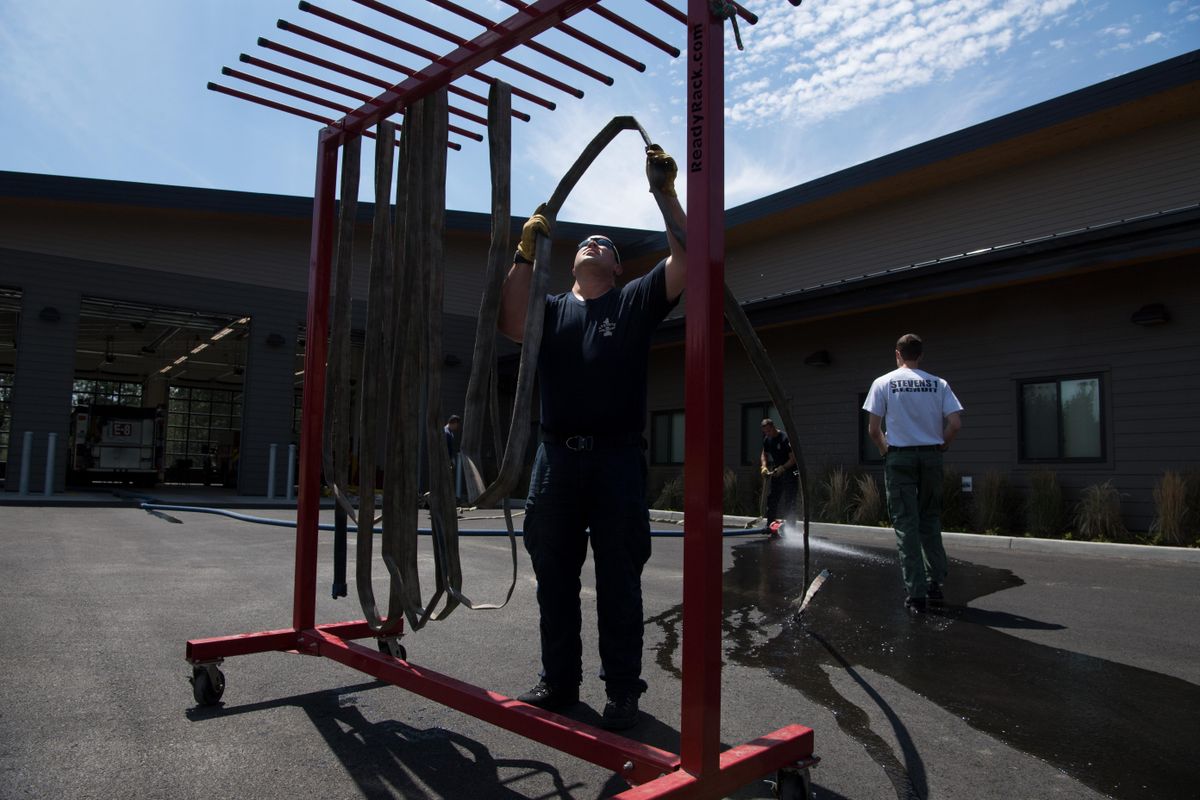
[(781, 500), (575, 496), (914, 496)]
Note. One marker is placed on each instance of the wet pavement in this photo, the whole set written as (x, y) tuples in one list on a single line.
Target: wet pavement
[(1124, 731), (1039, 679)]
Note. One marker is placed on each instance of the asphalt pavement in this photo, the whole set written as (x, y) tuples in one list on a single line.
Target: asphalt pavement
[(1056, 673)]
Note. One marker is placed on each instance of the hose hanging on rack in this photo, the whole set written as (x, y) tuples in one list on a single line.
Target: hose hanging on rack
[(401, 371), (403, 360), (520, 428)]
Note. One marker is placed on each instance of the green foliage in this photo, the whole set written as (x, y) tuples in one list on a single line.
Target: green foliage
[(995, 504), (731, 497), (869, 505), (1045, 509), (671, 496), (836, 496), (1097, 515), (956, 506), (1176, 509)]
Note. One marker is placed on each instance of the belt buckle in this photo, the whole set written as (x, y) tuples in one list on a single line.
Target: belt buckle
[(578, 443)]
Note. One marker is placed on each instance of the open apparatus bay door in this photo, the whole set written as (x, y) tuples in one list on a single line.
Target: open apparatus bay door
[(701, 769)]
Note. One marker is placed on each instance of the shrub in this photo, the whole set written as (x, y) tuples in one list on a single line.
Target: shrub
[(731, 497), (1045, 511), (1172, 514), (1192, 481), (869, 506), (1098, 514), (836, 496), (671, 496), (994, 504), (956, 506)]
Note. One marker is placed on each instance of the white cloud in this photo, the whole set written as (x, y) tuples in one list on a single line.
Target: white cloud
[(1153, 37), (830, 58), (613, 190)]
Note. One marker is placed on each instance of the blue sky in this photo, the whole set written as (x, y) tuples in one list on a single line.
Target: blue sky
[(117, 90)]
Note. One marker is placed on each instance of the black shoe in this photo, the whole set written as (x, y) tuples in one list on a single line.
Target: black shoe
[(551, 698), (934, 593), (916, 605), (620, 713)]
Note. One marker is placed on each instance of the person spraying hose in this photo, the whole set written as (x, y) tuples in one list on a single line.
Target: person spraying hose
[(778, 462), (589, 475)]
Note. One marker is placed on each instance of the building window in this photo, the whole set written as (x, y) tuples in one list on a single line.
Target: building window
[(105, 393), (868, 453), (203, 425), (752, 437), (1061, 419), (666, 437), (6, 388)]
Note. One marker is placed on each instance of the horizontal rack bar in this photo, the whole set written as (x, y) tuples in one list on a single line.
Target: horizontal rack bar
[(299, 112), (361, 97), (590, 41), (321, 101), (535, 46), (455, 39), (366, 56), (421, 52)]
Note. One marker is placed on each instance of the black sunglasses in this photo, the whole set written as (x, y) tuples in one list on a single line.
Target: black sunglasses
[(603, 241)]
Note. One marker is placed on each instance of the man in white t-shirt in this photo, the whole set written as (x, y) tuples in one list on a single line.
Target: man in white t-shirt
[(921, 417)]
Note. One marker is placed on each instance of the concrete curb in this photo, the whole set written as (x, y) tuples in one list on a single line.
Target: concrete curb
[(1141, 552)]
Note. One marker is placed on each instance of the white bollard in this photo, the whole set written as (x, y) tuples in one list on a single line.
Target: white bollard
[(51, 448), (26, 460), (291, 482), (271, 473)]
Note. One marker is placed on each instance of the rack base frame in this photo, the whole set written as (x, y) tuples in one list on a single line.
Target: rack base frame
[(652, 772), (702, 769)]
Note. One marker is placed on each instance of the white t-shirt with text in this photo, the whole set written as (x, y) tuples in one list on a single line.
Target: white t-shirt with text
[(913, 404)]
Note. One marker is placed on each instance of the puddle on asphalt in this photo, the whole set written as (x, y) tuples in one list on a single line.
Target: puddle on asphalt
[(1124, 731)]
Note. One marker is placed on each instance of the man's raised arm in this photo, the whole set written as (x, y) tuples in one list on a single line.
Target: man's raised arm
[(661, 171), (514, 295)]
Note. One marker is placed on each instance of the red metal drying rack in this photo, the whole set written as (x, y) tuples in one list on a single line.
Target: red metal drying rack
[(701, 769)]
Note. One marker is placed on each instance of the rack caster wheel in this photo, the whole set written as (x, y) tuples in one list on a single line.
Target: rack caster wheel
[(793, 784), (386, 649), (208, 684)]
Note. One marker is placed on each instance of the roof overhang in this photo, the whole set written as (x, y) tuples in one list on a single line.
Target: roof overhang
[(1154, 237)]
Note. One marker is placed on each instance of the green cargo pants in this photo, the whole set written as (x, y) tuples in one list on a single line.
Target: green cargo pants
[(913, 479)]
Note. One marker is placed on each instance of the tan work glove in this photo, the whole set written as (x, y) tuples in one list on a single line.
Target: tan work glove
[(661, 170), (538, 223), (777, 472), (765, 472)]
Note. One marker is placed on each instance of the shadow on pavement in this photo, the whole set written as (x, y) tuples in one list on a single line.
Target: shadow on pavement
[(390, 759)]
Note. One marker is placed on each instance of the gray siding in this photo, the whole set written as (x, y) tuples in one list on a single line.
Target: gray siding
[(41, 400), (45, 354), (983, 344), (1152, 170)]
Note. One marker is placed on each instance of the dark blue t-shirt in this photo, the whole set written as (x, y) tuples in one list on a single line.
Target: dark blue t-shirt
[(778, 450), (592, 365)]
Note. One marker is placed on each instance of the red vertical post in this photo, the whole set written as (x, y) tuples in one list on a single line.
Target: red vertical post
[(316, 344), (704, 359)]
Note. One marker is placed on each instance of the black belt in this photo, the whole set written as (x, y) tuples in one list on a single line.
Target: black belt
[(596, 441), (920, 448)]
